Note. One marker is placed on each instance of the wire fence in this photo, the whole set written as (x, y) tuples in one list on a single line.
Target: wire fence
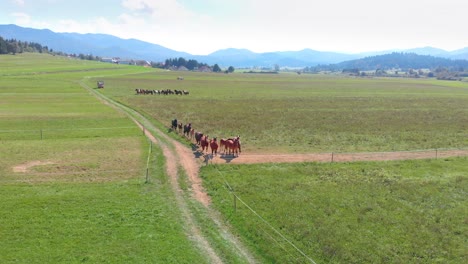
[(273, 234), (434, 153), (280, 240), (61, 133)]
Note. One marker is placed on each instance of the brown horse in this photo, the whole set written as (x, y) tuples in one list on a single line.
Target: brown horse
[(233, 146), (192, 133), (214, 146), (180, 126), (239, 143), (223, 144), (204, 142)]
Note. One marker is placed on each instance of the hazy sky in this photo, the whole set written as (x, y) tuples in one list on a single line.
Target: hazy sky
[(204, 26)]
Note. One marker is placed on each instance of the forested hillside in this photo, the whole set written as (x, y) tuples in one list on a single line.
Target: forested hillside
[(13, 46), (397, 60)]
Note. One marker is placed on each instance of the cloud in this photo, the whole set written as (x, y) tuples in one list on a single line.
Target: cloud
[(19, 2), (157, 9), (21, 18), (203, 26), (138, 5)]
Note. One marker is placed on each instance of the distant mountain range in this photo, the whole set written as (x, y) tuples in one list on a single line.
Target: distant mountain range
[(104, 45), (397, 60)]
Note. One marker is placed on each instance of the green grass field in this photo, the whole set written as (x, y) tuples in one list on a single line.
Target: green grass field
[(72, 173), (363, 212), (377, 212), (72, 169), (307, 113)]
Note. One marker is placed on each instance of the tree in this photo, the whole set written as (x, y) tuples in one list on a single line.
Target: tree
[(181, 62), (192, 64), (231, 69), (3, 46), (12, 47), (216, 68)]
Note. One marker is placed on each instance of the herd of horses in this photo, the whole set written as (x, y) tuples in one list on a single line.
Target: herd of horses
[(163, 92), (230, 145)]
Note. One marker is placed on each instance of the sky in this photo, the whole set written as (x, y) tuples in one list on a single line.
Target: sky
[(200, 27)]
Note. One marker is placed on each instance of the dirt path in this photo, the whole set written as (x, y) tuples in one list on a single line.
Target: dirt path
[(190, 166), (333, 157), (180, 160), (185, 158)]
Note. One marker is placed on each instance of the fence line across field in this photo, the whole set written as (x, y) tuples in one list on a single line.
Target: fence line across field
[(270, 226), (85, 172), (65, 129), (39, 133)]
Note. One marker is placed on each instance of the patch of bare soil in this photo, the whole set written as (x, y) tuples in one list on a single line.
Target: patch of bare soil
[(25, 167)]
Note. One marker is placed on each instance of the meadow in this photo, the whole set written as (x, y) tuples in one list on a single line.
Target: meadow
[(363, 212), (72, 172), (290, 113), (72, 168)]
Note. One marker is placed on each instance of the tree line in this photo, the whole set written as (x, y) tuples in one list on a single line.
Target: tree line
[(190, 64), (13, 46), (395, 60), (398, 64)]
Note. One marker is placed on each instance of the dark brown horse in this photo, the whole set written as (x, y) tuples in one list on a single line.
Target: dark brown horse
[(187, 129), (204, 142), (198, 136), (174, 124)]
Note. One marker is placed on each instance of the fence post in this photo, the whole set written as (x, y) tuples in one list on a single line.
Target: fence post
[(332, 157), (148, 161), (143, 131), (41, 133), (436, 154), (235, 205)]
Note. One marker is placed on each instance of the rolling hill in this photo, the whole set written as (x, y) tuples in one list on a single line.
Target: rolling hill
[(397, 60), (104, 45)]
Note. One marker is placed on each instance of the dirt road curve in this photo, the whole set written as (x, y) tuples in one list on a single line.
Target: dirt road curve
[(331, 157)]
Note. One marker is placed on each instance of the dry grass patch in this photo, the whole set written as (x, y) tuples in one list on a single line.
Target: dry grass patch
[(83, 160)]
